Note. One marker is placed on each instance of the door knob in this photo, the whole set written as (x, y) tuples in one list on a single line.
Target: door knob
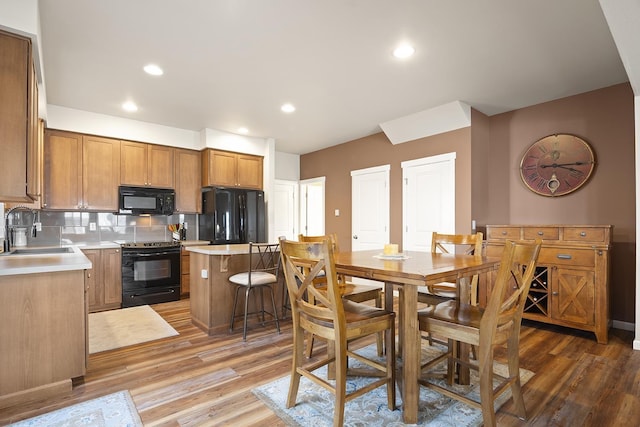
[(355, 236)]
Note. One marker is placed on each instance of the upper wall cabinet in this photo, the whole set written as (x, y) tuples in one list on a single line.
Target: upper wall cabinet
[(18, 120), (187, 181), (82, 172), (146, 164), (227, 169)]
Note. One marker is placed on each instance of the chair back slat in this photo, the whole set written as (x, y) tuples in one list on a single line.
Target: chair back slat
[(468, 244), (509, 293), (304, 263)]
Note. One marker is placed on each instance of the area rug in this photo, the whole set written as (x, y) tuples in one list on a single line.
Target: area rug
[(121, 328), (315, 404), (113, 410)]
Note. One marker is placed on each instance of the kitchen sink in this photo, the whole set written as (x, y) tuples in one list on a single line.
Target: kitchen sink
[(40, 251)]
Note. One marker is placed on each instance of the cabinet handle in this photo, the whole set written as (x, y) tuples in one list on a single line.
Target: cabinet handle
[(583, 234), (554, 293), (504, 233), (540, 233), (564, 256)]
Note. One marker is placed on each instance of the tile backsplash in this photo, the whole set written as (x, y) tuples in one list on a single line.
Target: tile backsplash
[(68, 228)]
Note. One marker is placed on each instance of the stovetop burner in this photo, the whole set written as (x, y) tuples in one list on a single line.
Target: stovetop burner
[(151, 245)]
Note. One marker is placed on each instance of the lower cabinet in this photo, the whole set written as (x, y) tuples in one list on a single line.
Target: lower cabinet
[(571, 283), (184, 270), (104, 280)]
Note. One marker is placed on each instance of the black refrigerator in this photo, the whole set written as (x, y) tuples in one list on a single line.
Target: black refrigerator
[(232, 215)]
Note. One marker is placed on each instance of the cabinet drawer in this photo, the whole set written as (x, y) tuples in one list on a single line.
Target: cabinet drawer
[(503, 233), (544, 233), (577, 234), (494, 251), (575, 257)]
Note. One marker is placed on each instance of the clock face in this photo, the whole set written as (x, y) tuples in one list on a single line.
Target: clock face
[(557, 165)]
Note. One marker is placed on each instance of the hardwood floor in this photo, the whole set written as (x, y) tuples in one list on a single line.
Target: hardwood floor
[(194, 380)]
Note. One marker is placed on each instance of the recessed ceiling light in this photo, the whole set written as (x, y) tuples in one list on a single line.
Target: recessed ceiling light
[(403, 51), (288, 108), (153, 69), (130, 106), (243, 130)]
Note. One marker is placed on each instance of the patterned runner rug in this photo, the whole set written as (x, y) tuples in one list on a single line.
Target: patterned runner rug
[(315, 404), (129, 326), (113, 410)]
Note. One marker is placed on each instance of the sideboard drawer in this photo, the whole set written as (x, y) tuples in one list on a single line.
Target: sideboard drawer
[(577, 234), (503, 233), (544, 233), (574, 257)]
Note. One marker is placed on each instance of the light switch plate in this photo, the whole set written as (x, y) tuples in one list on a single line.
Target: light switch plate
[(92, 226), (204, 274)]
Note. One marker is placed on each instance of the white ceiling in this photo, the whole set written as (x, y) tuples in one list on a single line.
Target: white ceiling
[(232, 63)]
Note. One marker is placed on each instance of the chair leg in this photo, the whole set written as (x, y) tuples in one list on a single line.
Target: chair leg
[(390, 347), (275, 311), (341, 383), (246, 311), (233, 310), (379, 335), (485, 367), (514, 374), (309, 348), (297, 360)]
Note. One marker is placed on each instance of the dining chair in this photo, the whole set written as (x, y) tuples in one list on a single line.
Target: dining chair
[(499, 323), (469, 244), (338, 320), (352, 291), (261, 274)]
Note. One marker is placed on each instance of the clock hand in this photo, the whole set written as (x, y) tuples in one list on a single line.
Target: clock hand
[(559, 165)]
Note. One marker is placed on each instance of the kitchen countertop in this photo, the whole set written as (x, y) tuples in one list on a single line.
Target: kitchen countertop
[(238, 249), (43, 263)]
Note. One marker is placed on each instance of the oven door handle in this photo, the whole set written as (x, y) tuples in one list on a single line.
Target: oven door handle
[(170, 291), (155, 254)]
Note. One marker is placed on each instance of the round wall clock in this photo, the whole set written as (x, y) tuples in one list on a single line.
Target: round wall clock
[(557, 165)]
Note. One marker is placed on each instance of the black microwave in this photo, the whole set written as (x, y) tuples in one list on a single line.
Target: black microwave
[(146, 201)]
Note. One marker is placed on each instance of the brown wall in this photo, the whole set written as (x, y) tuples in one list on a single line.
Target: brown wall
[(488, 184)]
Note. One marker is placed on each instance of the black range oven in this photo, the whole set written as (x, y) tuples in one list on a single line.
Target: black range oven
[(150, 273)]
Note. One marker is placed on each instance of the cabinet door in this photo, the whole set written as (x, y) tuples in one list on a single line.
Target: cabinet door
[(63, 170), (14, 108), (222, 166), (187, 181), (100, 173), (573, 295), (93, 284), (184, 269), (249, 172), (112, 277), (34, 149), (160, 166), (133, 163)]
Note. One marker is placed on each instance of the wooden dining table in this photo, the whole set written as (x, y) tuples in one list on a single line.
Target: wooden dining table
[(408, 272)]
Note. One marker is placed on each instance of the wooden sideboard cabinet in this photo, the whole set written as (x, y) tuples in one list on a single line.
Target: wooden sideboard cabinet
[(571, 284)]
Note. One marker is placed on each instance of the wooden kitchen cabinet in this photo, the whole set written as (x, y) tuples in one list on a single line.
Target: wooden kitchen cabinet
[(187, 181), (184, 272), (18, 120), (104, 281), (571, 284), (228, 169), (148, 165), (43, 325), (82, 172)]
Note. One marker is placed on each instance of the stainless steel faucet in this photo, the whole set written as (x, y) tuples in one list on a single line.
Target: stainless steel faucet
[(9, 231)]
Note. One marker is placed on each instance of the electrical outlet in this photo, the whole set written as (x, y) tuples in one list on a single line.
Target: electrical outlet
[(38, 226), (204, 274), (92, 226), (186, 225)]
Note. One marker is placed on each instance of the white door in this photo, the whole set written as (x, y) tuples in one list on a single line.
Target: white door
[(285, 200), (312, 207), (428, 200), (370, 208)]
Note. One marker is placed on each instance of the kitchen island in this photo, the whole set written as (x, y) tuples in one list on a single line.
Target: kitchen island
[(43, 324), (211, 293)]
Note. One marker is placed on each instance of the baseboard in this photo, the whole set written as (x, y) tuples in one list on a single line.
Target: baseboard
[(625, 326)]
